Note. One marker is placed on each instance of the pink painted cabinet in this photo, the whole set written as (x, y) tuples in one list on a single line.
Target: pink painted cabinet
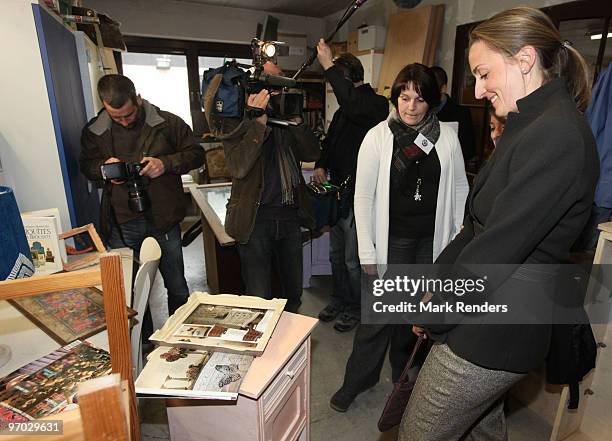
[(274, 399)]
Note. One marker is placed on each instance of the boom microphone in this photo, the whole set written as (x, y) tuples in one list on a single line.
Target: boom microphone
[(347, 14)]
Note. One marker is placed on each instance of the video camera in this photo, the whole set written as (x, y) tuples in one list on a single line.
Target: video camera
[(263, 52), (284, 102), (138, 199), (224, 89)]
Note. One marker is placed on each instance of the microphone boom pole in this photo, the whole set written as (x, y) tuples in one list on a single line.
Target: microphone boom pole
[(350, 11)]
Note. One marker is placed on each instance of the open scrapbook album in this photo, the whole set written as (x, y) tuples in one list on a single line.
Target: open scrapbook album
[(222, 322)]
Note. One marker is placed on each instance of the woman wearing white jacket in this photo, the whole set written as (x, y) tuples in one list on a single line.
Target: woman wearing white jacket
[(410, 195)]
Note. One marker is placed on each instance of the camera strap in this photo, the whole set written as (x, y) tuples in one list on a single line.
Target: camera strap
[(117, 225)]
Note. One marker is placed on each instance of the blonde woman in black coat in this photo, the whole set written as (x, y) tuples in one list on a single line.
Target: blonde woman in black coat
[(528, 205)]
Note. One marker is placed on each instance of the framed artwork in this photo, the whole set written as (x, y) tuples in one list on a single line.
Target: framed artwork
[(66, 316), (239, 324)]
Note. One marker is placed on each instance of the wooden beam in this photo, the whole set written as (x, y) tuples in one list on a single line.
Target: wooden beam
[(606, 226), (401, 47), (12, 289), (102, 409), (118, 333)]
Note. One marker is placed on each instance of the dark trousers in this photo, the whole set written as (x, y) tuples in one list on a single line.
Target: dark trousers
[(278, 241), (371, 341), (346, 270), (171, 264)]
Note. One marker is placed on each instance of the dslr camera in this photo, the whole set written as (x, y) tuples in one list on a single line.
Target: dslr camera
[(138, 199)]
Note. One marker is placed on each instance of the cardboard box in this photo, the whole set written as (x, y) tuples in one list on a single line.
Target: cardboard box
[(371, 37)]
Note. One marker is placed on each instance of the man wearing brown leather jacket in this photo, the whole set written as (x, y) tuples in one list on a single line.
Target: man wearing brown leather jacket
[(268, 203), (132, 130)]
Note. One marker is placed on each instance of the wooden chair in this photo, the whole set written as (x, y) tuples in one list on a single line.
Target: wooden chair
[(150, 253), (101, 417)]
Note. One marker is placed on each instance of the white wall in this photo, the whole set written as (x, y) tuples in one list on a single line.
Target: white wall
[(457, 12), (27, 139), (194, 21)]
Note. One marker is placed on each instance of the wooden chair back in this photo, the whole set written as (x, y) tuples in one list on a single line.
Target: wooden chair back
[(150, 253)]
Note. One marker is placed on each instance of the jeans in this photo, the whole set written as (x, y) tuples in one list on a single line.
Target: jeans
[(346, 270), (371, 341), (278, 241), (171, 264), (404, 251)]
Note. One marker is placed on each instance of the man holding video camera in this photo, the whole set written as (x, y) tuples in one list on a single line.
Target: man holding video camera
[(360, 110), (268, 203), (140, 152)]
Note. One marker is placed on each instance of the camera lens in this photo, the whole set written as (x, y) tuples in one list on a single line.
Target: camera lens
[(138, 200)]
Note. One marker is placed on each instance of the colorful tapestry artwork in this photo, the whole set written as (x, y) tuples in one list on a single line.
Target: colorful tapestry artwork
[(66, 315)]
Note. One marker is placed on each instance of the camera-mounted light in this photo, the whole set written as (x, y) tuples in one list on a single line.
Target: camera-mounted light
[(267, 51)]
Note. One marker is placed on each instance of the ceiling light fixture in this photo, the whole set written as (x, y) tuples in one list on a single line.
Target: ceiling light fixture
[(598, 36)]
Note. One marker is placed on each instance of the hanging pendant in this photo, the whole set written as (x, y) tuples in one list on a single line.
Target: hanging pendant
[(417, 194)]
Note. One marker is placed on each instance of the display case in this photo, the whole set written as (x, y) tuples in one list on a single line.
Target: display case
[(220, 254)]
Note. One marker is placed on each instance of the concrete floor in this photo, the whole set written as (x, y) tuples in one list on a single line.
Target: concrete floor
[(330, 351)]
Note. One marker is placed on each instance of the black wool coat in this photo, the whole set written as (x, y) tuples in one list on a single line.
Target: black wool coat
[(529, 204)]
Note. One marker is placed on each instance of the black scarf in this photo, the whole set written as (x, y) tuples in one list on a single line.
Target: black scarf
[(405, 152)]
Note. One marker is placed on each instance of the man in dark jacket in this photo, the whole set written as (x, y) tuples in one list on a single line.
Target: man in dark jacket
[(360, 110), (449, 111), (132, 130), (268, 203)]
